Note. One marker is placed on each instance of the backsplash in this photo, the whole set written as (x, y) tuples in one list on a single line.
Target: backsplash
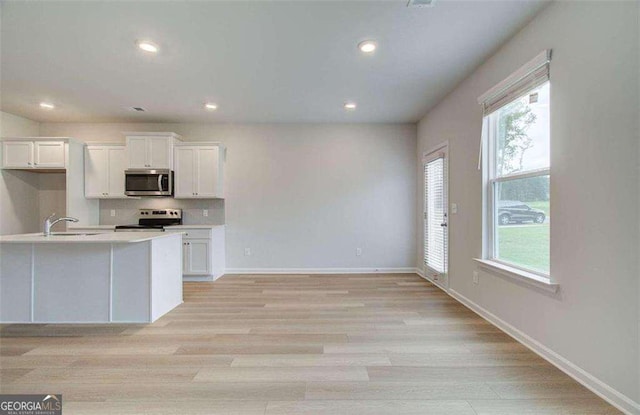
[(126, 210)]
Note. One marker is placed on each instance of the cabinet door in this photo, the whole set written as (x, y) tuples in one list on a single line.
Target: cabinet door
[(49, 154), (207, 172), (198, 257), (137, 148), (96, 171), (117, 166), (184, 175), (17, 154), (159, 152), (185, 257)]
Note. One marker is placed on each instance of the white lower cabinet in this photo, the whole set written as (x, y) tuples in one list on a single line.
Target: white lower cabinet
[(196, 257), (202, 252)]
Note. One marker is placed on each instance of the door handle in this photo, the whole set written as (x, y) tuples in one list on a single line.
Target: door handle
[(160, 182)]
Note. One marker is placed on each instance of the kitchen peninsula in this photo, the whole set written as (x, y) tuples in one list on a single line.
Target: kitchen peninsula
[(119, 277)]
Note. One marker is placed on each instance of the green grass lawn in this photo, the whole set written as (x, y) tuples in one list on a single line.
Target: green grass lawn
[(525, 245)]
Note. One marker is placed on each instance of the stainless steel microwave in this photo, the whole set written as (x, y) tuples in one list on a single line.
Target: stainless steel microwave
[(148, 182)]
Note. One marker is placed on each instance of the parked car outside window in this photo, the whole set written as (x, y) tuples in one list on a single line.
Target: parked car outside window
[(511, 211)]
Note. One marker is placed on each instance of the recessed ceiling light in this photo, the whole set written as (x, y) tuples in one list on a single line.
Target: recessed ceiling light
[(211, 106), (148, 46), (350, 105), (367, 46), (47, 105)]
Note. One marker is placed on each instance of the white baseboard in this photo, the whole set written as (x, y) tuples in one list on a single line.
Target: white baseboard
[(595, 385), (201, 278), (197, 278), (408, 270)]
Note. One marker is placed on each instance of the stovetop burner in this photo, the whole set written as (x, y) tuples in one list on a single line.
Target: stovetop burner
[(140, 228), (153, 220)]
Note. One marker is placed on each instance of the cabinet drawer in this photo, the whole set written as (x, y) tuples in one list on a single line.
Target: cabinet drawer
[(193, 233)]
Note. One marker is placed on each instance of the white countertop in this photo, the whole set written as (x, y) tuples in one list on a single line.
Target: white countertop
[(72, 228), (194, 226), (111, 227), (109, 238)]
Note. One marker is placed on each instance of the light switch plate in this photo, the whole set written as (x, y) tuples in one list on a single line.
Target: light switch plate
[(205, 212), (476, 278), (247, 251), (454, 208), (358, 251), (113, 212)]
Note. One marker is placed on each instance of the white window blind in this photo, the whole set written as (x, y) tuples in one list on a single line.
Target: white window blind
[(529, 76), (435, 215), (532, 74)]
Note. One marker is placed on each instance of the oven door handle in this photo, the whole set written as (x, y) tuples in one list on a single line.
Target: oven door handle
[(160, 182)]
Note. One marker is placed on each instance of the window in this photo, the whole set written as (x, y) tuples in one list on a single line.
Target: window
[(517, 172)]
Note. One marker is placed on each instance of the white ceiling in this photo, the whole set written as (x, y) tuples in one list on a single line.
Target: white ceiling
[(279, 61)]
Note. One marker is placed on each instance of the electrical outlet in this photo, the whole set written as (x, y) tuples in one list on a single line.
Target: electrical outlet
[(476, 278), (113, 212), (247, 251), (205, 212), (454, 208), (358, 251)]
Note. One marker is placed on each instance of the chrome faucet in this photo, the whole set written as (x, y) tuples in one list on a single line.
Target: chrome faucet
[(48, 224)]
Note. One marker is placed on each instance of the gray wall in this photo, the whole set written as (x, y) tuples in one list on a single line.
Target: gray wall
[(19, 191), (300, 195), (593, 322)]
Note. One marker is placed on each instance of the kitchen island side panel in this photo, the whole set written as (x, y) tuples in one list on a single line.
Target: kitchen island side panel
[(72, 282), (166, 275), (15, 283), (131, 283)]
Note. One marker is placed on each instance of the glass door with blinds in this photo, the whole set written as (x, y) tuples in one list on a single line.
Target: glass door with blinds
[(435, 217)]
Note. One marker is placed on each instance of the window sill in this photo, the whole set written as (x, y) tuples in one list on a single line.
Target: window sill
[(525, 277)]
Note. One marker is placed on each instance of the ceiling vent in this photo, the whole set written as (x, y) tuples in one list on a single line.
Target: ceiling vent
[(138, 109), (421, 3)]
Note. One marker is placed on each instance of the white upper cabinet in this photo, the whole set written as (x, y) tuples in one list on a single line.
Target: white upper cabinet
[(208, 173), (26, 154), (199, 171), (49, 154), (96, 171), (151, 150), (137, 147), (185, 172), (17, 154), (117, 166), (104, 168), (160, 151)]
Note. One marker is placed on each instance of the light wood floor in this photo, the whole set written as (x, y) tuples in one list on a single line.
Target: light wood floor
[(320, 344)]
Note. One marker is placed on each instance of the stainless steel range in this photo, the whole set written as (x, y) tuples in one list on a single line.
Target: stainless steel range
[(153, 220)]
